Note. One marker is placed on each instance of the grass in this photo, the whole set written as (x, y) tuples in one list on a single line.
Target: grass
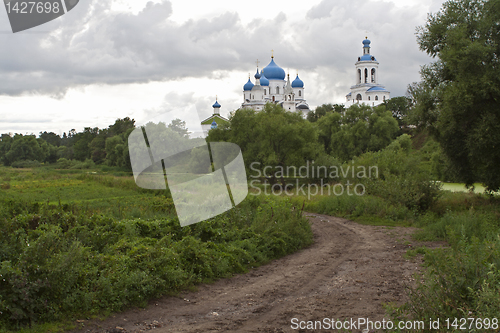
[(86, 243)]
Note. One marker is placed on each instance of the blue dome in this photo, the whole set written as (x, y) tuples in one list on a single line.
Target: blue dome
[(248, 86), (367, 57), (274, 72), (214, 125), (257, 75), (297, 83), (216, 105), (366, 42), (263, 80)]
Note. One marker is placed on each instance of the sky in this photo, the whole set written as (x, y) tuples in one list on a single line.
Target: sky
[(109, 59)]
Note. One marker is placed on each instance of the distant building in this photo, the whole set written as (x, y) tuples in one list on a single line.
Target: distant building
[(367, 89), (215, 119), (270, 87)]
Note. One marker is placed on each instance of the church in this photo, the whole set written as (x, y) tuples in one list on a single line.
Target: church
[(367, 89), (271, 87)]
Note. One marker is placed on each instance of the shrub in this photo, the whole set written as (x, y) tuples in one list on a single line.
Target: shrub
[(64, 163), (26, 164)]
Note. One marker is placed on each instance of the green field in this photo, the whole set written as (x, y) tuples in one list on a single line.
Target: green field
[(85, 243)]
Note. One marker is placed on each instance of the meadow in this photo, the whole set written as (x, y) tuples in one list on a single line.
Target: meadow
[(84, 243)]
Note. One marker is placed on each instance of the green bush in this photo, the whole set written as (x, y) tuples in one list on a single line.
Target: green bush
[(64, 163), (460, 282), (26, 164), (58, 261)]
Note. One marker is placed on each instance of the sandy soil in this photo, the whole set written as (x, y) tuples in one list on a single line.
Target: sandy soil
[(350, 271)]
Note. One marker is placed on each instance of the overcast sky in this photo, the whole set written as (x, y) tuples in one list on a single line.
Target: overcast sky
[(110, 59)]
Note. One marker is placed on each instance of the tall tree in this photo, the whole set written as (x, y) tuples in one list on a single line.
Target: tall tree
[(459, 94)]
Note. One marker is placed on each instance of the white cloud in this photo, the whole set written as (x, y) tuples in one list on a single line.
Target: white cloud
[(125, 53)]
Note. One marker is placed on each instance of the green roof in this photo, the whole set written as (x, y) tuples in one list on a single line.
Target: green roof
[(217, 118)]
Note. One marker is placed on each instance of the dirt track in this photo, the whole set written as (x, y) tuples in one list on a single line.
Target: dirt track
[(349, 272)]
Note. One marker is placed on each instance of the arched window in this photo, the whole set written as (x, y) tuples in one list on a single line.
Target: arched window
[(253, 96), (277, 90), (265, 91), (373, 75), (359, 75), (368, 97), (376, 98), (359, 97), (366, 75), (289, 97), (383, 98), (300, 93)]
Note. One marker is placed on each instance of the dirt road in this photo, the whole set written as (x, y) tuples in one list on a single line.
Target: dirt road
[(349, 272)]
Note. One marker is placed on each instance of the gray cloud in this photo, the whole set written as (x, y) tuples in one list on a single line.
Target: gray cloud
[(92, 45)]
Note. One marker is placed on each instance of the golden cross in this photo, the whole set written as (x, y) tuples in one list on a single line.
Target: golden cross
[(272, 53), (257, 62)]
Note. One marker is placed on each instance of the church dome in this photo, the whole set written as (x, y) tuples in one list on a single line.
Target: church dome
[(366, 42), (367, 57), (257, 75), (216, 105), (248, 86), (274, 72), (297, 83), (263, 80)]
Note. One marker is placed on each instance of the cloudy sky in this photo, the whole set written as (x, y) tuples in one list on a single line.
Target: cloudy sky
[(109, 59)]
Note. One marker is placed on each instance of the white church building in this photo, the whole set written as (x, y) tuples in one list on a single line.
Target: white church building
[(271, 87), (367, 89)]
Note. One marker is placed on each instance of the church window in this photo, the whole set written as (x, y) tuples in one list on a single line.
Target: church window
[(277, 90), (300, 93), (376, 98), (383, 98), (289, 97), (366, 75), (265, 91), (373, 75), (368, 97), (359, 97), (359, 75)]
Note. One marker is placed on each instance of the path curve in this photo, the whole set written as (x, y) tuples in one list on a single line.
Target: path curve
[(350, 271)]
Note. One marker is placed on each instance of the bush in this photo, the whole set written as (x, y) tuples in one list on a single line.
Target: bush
[(64, 163), (461, 282), (56, 262), (87, 164), (26, 164)]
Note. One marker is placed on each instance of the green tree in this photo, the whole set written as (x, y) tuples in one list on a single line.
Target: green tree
[(81, 146), (272, 137), (399, 107), (324, 110), (25, 148), (360, 129), (459, 94)]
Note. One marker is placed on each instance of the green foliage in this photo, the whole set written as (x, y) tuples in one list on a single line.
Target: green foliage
[(360, 129), (273, 137), (104, 244), (324, 110), (459, 93), (399, 107), (400, 178), (26, 164), (461, 282)]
